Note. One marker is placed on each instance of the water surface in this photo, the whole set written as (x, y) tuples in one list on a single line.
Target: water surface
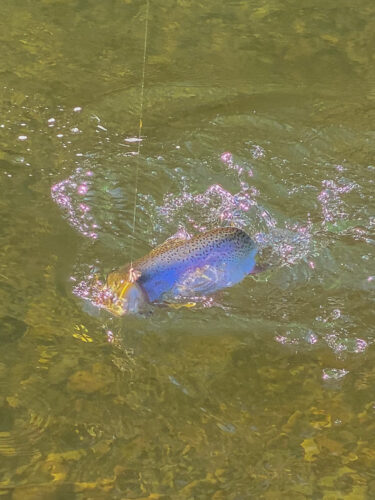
[(259, 115)]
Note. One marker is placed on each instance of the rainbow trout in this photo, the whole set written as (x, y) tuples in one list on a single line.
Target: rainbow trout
[(182, 269)]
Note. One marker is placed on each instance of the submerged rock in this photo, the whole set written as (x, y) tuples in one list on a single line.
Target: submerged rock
[(99, 378), (11, 329)]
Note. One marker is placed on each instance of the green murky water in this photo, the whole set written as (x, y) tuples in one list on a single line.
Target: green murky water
[(270, 392)]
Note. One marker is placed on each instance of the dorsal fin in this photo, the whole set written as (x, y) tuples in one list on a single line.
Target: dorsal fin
[(167, 245)]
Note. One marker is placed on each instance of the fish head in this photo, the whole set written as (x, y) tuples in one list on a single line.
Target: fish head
[(125, 297)]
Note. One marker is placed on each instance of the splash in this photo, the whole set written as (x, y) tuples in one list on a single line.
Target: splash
[(333, 207), (71, 196), (227, 159), (188, 211), (94, 291), (215, 206)]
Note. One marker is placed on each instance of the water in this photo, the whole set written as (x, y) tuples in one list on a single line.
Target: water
[(256, 114)]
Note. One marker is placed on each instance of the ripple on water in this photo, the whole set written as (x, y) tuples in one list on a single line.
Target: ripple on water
[(25, 417)]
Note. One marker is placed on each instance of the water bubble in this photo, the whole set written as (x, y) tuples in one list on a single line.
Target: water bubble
[(257, 152), (340, 344), (334, 373), (226, 157), (133, 139), (82, 189), (336, 313), (311, 337)]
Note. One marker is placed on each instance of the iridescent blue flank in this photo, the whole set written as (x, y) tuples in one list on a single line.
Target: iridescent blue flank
[(208, 262)]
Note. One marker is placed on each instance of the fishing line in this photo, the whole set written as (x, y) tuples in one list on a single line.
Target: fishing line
[(131, 277)]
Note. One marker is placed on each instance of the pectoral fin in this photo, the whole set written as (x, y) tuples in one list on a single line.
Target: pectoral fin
[(176, 305)]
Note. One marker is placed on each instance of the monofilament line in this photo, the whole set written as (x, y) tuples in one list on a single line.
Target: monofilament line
[(140, 129)]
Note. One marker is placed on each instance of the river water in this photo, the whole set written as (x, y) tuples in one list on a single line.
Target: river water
[(255, 114)]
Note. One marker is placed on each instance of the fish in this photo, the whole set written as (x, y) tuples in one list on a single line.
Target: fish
[(182, 269)]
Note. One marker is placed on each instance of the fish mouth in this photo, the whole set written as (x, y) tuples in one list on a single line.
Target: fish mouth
[(123, 297)]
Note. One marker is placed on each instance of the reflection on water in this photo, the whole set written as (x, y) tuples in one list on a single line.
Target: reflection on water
[(259, 116)]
